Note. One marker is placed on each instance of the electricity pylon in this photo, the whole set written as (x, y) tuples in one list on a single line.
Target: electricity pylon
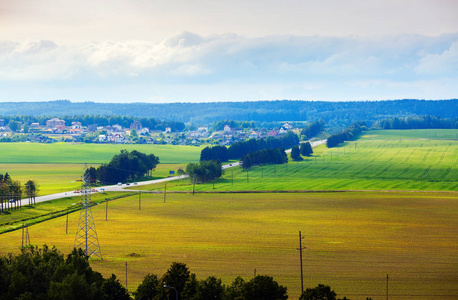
[(86, 235)]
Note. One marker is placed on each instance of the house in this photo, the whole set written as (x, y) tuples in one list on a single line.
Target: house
[(35, 125), (54, 122), (2, 122), (253, 135), (75, 131), (227, 128), (202, 130), (282, 131), (102, 138), (193, 134), (144, 130), (273, 133), (136, 125), (59, 129), (168, 130), (76, 125), (119, 138), (287, 126), (117, 128)]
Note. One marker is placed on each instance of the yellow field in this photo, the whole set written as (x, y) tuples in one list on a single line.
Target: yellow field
[(353, 239)]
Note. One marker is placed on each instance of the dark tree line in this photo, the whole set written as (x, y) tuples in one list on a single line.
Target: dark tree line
[(100, 120), (347, 135), (242, 148), (123, 167), (262, 157), (417, 122), (337, 115), (189, 287), (204, 171), (46, 274), (11, 192), (214, 153), (313, 129)]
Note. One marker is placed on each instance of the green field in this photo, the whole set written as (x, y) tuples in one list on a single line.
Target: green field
[(380, 160), (68, 153), (353, 239), (56, 167)]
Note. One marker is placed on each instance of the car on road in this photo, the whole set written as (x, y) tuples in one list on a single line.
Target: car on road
[(127, 183), (119, 183)]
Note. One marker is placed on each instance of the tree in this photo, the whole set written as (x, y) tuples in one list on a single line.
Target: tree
[(296, 153), (306, 149), (210, 289), (177, 276), (321, 292), (14, 126), (148, 289), (264, 287)]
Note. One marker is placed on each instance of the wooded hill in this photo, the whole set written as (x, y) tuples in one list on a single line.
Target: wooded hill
[(334, 114)]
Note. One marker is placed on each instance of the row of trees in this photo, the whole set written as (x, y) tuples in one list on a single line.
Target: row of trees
[(14, 121), (12, 190), (347, 135), (262, 157), (123, 167), (304, 149), (313, 129), (242, 148), (204, 171), (214, 153), (417, 122)]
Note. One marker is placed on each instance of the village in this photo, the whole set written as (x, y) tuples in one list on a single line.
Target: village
[(56, 130)]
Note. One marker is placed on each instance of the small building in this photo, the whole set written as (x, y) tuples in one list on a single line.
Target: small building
[(227, 128), (168, 130), (102, 138), (253, 135), (35, 125), (2, 122), (136, 125), (202, 130), (54, 122), (144, 130), (76, 125), (287, 126)]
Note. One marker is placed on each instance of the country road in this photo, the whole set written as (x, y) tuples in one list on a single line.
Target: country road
[(116, 188)]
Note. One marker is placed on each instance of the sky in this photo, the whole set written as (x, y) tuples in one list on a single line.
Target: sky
[(162, 51)]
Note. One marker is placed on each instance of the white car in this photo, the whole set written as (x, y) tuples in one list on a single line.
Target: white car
[(119, 183)]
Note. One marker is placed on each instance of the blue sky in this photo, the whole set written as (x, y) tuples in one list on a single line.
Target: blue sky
[(196, 51)]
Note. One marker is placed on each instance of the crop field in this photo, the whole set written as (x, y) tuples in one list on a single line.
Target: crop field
[(353, 239), (67, 153), (57, 167), (380, 160)]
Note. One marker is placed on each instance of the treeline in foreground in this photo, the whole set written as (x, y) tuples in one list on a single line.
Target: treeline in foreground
[(347, 135), (417, 122), (46, 274), (242, 148), (123, 167)]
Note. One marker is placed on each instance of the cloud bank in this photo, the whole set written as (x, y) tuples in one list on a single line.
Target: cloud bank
[(191, 67)]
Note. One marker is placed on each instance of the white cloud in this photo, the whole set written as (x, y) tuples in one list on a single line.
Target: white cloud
[(279, 66)]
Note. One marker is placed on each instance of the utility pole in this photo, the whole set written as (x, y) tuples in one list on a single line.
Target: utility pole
[(139, 200), (165, 191), (66, 226), (246, 175), (126, 275), (194, 185), (232, 177), (387, 287), (300, 257), (106, 209)]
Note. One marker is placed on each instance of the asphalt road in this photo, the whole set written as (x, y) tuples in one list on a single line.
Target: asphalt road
[(116, 188)]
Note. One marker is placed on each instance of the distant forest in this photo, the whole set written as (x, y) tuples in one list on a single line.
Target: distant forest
[(334, 114)]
